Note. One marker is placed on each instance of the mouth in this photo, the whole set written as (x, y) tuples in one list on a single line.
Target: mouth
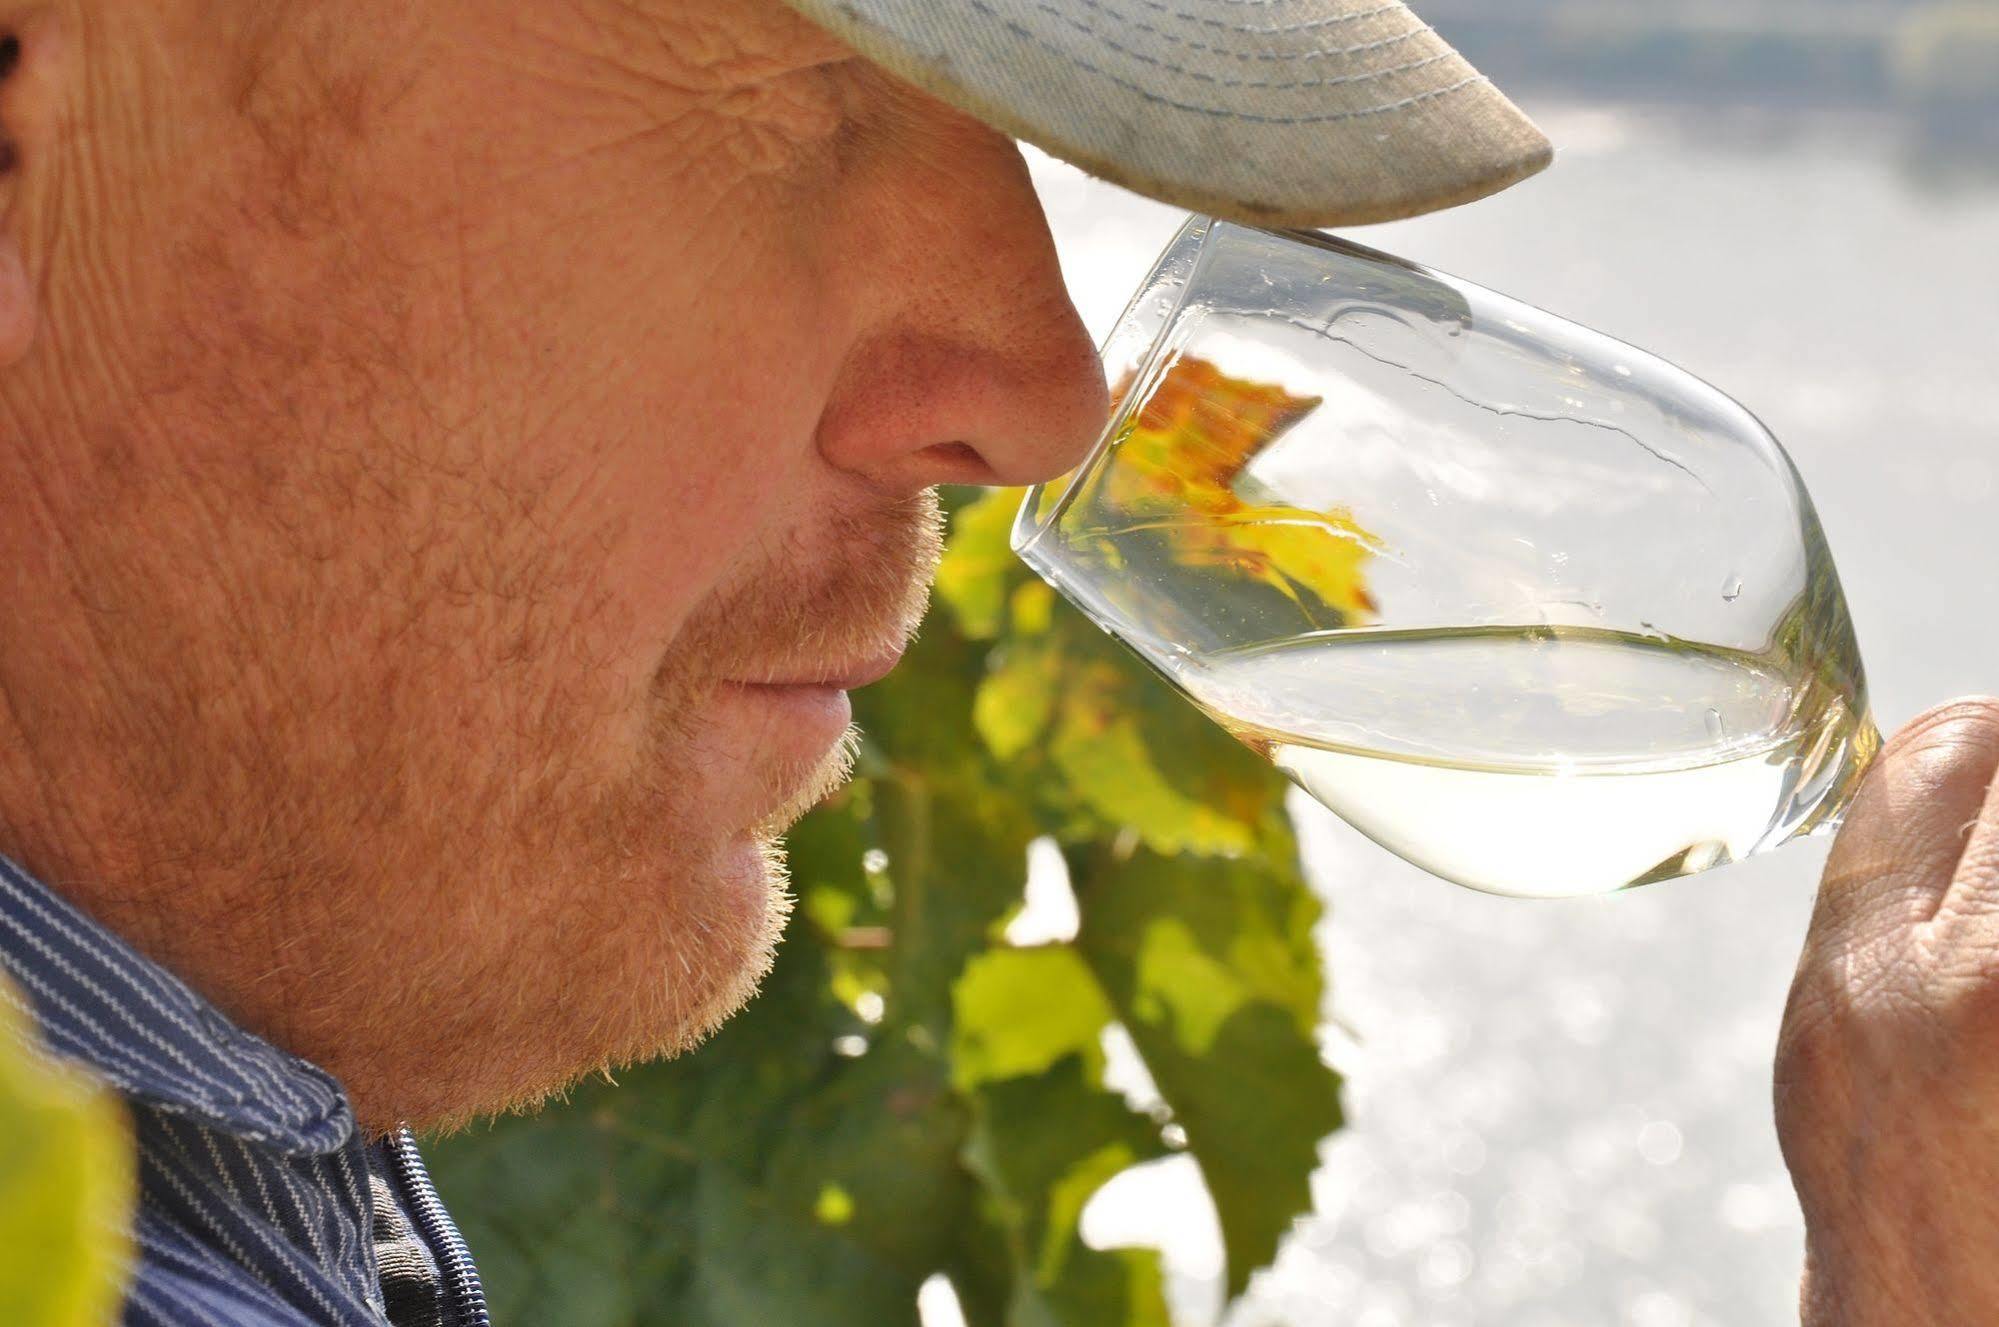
[(851, 675), (797, 715), (799, 721)]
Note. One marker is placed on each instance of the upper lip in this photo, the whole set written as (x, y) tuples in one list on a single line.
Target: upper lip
[(847, 676)]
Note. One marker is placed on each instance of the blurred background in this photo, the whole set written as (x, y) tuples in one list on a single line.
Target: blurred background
[(1560, 1110)]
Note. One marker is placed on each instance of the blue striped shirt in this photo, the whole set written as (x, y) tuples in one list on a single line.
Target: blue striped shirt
[(260, 1203)]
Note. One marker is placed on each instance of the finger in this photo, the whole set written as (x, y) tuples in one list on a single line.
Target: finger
[(1899, 848), (1974, 889)]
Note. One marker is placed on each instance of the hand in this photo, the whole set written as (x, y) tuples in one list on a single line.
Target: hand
[(1887, 1082)]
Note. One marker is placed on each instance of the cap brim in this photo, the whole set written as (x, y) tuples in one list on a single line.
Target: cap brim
[(1275, 112)]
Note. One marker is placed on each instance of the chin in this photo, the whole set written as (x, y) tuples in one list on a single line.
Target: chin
[(747, 902), (716, 960), (649, 973), (642, 954)]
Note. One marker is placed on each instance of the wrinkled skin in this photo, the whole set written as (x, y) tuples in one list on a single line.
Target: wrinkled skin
[(425, 430), (1887, 1081)]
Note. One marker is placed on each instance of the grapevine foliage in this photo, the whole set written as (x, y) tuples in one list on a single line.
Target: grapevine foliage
[(66, 1187)]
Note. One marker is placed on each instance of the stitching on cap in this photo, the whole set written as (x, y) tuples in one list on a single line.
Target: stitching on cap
[(1255, 3), (1281, 57), (1268, 29), (1267, 85), (1219, 113)]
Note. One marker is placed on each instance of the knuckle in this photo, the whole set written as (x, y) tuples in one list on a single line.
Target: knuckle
[(1978, 868), (1973, 720), (1811, 1100), (1812, 1046), (1849, 1013), (1963, 995)]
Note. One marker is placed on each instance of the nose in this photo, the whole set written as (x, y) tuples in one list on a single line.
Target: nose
[(974, 367)]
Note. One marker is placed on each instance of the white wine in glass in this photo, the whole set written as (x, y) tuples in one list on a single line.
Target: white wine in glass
[(1532, 609)]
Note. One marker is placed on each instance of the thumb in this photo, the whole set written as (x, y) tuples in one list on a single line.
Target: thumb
[(1899, 846)]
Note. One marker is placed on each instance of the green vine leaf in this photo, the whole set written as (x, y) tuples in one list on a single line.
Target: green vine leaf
[(1042, 1145), (979, 568), (1211, 967), (66, 1187), (1019, 1011)]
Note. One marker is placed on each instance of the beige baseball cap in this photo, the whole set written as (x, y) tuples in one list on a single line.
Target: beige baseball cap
[(1276, 112)]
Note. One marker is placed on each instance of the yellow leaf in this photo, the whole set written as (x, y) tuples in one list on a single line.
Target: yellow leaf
[(1182, 459), (66, 1188)]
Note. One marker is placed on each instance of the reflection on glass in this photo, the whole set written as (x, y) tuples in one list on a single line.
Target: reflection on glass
[(1180, 496)]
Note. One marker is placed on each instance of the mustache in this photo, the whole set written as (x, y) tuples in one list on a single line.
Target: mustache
[(852, 590)]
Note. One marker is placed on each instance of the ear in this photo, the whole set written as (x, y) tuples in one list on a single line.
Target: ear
[(28, 103)]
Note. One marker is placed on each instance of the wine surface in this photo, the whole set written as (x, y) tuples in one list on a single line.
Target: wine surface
[(1545, 760)]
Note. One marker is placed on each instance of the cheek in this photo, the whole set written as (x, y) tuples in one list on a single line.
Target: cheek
[(675, 356), (688, 486)]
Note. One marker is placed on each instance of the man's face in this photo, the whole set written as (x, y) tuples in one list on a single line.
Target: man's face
[(493, 436)]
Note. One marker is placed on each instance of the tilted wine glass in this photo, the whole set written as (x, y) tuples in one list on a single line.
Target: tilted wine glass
[(1531, 608)]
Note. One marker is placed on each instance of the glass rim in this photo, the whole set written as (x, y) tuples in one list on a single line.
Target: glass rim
[(1037, 513), (1044, 502)]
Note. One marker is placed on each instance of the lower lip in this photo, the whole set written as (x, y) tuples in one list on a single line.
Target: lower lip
[(806, 720)]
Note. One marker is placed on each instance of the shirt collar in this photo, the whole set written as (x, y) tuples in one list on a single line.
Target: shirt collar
[(99, 1001)]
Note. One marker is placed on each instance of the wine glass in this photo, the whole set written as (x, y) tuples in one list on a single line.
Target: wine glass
[(1529, 607)]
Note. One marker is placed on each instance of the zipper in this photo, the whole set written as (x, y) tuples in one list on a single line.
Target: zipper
[(465, 1297)]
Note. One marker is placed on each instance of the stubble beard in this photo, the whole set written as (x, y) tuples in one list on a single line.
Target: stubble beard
[(458, 892), (661, 982)]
